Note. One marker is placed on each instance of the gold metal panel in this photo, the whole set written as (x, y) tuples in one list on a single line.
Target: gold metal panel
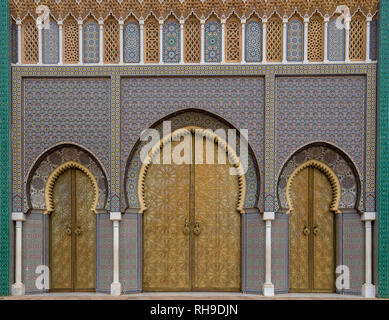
[(217, 246), (85, 233), (60, 239), (312, 235), (72, 233), (299, 240), (323, 234), (165, 242)]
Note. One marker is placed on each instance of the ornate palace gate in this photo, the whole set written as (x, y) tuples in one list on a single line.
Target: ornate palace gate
[(192, 228), (73, 233), (311, 232)]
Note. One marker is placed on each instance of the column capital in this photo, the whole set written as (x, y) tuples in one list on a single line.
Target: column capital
[(306, 19), (268, 215), (368, 216), (202, 21), (101, 22), (18, 216), (326, 19), (115, 216), (60, 22), (80, 22), (141, 22), (284, 20), (121, 22)]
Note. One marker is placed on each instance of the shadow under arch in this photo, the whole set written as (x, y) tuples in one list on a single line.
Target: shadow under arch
[(82, 155), (201, 114), (304, 154)]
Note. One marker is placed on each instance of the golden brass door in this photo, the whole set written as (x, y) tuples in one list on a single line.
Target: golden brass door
[(191, 228), (72, 234), (311, 234)]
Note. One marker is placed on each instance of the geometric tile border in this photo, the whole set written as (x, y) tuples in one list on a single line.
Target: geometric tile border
[(5, 95), (382, 157)]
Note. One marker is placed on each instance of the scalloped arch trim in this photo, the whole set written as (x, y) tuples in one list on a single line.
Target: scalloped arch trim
[(54, 176), (330, 174), (210, 135)]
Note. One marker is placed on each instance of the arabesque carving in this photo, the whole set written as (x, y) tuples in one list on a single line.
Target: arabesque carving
[(120, 9), (334, 181), (54, 176)]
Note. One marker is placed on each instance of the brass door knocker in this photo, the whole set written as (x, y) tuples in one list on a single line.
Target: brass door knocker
[(196, 228), (77, 231), (186, 228), (68, 230)]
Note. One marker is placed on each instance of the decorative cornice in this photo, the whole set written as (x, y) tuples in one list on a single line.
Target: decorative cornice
[(210, 135), (334, 181), (184, 8), (54, 176)]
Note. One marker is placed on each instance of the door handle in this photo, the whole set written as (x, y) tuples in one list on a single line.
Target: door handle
[(306, 231), (68, 230), (77, 231), (196, 228), (186, 229), (315, 230)]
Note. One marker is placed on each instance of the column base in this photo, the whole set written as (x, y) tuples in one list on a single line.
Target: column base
[(368, 291), (18, 289), (268, 290), (116, 289)]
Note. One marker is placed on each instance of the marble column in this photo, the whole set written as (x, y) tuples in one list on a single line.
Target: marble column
[(268, 286), (60, 42), (264, 22), (121, 44), (326, 20), (18, 288), (284, 40), (40, 42), (306, 21), (202, 41), (116, 287), (368, 289), (243, 21)]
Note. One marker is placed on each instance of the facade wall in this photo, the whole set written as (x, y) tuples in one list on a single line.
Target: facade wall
[(284, 107)]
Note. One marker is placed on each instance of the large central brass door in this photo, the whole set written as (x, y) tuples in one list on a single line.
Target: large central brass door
[(312, 234), (191, 229), (72, 234)]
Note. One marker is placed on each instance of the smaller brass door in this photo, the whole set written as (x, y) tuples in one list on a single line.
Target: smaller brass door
[(311, 233), (72, 234)]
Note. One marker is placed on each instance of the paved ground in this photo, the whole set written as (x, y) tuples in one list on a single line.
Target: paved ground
[(183, 296)]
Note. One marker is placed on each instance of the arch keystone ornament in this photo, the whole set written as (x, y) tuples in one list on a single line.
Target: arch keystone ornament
[(334, 181), (54, 176), (208, 134)]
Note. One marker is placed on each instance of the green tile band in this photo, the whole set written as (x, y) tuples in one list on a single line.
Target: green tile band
[(383, 150), (4, 147)]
